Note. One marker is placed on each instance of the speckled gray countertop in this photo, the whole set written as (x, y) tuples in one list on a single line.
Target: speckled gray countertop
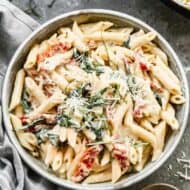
[(173, 26)]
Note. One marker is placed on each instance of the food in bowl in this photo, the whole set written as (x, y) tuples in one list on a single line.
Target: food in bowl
[(94, 102)]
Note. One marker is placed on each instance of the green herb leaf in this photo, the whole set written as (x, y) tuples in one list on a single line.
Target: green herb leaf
[(25, 102), (96, 100), (126, 43), (64, 120), (82, 91), (85, 63), (44, 135), (54, 139), (35, 122)]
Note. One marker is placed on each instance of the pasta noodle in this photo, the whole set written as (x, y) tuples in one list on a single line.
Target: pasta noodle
[(93, 101), (17, 91), (100, 177), (34, 90), (95, 27), (32, 57)]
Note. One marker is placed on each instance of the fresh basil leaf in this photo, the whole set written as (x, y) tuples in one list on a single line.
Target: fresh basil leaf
[(25, 102), (96, 100), (127, 43), (64, 120), (85, 63), (35, 122), (44, 134)]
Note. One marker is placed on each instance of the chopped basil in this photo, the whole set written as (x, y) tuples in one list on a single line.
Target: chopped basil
[(98, 133), (91, 101), (82, 91), (34, 123), (44, 135), (76, 54), (64, 120), (25, 102), (133, 87), (54, 139), (96, 100), (96, 123), (85, 63), (127, 43)]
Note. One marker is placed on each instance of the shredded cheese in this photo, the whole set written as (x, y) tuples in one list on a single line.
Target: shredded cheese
[(185, 165)]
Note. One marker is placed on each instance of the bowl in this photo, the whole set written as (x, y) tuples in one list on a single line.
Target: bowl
[(82, 16)]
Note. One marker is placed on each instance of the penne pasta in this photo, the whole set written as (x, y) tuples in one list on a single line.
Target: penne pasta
[(54, 100), (168, 115), (95, 27), (160, 132), (141, 40), (116, 37), (17, 91), (50, 154), (19, 111), (117, 171), (31, 59), (105, 158), (98, 178), (177, 99), (27, 140), (168, 79), (144, 154), (35, 90), (59, 80), (57, 161)]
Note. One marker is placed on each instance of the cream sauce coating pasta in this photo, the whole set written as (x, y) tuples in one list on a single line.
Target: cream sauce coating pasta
[(94, 101)]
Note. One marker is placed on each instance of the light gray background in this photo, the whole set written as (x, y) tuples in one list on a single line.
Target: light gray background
[(173, 26)]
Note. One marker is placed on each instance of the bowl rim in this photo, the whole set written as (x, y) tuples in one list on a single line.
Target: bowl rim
[(181, 4), (66, 183)]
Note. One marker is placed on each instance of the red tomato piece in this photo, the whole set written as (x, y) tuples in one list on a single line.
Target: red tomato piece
[(143, 67), (86, 163), (52, 50), (24, 119), (121, 154)]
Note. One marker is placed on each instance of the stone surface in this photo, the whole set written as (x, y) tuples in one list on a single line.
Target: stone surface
[(173, 26)]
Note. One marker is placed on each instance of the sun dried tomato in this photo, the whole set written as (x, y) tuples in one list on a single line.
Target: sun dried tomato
[(143, 67), (86, 163), (53, 49), (24, 119), (120, 153)]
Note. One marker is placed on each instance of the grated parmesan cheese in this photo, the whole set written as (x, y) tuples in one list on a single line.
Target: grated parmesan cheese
[(185, 165)]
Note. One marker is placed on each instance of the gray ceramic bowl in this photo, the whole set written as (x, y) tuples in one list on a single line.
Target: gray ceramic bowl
[(84, 16)]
